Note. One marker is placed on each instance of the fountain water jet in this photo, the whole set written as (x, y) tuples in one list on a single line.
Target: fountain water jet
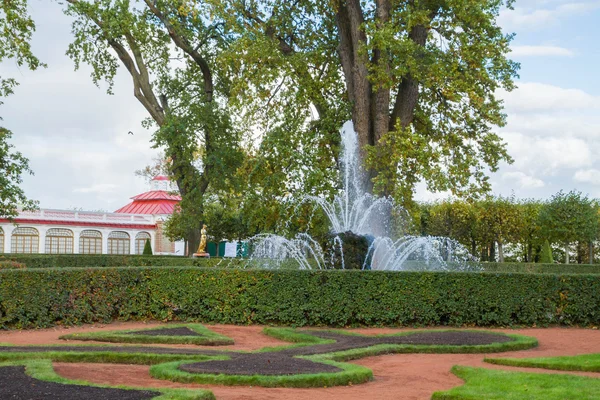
[(365, 221)]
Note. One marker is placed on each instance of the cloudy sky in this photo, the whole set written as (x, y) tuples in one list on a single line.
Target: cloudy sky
[(76, 136)]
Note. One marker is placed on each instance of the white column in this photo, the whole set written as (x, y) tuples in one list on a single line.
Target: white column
[(132, 241), (105, 232), (152, 240), (8, 230), (76, 234), (42, 242)]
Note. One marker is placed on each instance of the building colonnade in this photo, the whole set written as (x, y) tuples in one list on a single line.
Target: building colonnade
[(43, 239)]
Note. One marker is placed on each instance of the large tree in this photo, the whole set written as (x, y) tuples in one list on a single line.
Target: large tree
[(182, 100), (419, 80), (16, 29), (568, 218)]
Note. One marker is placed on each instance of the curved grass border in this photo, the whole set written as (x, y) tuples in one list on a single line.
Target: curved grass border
[(582, 362), (350, 374), (207, 338), (519, 342), (492, 384), (105, 356), (43, 371)]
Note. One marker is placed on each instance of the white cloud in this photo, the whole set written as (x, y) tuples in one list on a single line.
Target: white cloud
[(523, 180), (530, 15), (588, 176), (97, 188), (545, 97), (541, 51)]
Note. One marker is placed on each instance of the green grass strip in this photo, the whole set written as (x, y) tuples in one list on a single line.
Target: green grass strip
[(487, 384), (105, 357), (519, 342), (350, 374), (583, 362), (43, 370), (207, 338)]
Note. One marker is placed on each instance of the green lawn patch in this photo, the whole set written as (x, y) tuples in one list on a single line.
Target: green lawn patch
[(583, 362), (206, 336), (42, 370), (350, 374), (487, 384)]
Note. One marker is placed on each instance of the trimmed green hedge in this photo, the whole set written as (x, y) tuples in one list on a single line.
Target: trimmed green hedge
[(105, 260), (540, 268), (45, 297)]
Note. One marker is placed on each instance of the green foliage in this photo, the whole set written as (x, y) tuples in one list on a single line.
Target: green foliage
[(205, 337), (44, 297), (504, 385), (540, 268), (10, 264), (147, 248), (569, 217), (582, 362), (546, 256)]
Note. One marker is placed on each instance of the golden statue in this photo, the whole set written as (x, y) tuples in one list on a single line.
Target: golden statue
[(202, 246)]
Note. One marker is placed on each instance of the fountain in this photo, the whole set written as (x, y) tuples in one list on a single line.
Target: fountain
[(362, 232)]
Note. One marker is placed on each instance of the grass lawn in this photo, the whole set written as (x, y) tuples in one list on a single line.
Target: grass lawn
[(584, 362), (206, 336), (487, 384)]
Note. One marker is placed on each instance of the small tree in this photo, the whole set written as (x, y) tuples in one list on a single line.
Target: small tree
[(147, 248), (546, 256)]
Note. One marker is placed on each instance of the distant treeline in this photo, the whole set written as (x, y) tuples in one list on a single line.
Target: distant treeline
[(506, 229)]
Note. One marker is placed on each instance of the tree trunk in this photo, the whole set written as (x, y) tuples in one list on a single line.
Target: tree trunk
[(567, 253), (371, 103), (500, 252), (473, 247), (492, 253), (590, 252), (529, 252)]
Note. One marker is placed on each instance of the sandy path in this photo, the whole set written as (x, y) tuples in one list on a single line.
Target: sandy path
[(399, 376)]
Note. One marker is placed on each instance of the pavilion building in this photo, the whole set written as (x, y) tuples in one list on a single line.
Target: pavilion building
[(124, 231)]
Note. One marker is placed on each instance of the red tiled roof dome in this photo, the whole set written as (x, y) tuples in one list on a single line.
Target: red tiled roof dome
[(152, 202)]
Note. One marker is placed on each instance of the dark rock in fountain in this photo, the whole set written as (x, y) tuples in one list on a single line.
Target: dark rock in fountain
[(355, 250)]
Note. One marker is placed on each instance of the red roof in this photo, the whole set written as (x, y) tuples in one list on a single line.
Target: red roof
[(152, 202), (160, 178)]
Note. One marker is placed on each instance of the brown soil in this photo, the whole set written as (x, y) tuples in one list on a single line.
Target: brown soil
[(245, 337), (406, 376), (284, 362), (16, 385)]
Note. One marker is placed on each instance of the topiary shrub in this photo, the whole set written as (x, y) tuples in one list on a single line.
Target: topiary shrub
[(546, 256), (147, 248)]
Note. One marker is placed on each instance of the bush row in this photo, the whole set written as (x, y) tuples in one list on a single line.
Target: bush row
[(105, 260), (37, 298)]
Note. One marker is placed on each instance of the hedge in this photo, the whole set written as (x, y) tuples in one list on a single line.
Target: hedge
[(44, 297), (105, 260)]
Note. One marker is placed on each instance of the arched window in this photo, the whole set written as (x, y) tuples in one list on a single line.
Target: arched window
[(140, 242), (25, 240), (1, 240), (59, 241), (118, 243), (90, 242)]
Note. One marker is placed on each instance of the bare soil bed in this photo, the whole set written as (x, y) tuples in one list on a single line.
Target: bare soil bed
[(406, 376)]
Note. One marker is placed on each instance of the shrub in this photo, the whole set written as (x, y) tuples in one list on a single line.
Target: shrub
[(33, 298), (9, 264), (147, 248), (546, 256)]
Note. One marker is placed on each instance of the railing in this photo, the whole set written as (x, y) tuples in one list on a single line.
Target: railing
[(86, 216)]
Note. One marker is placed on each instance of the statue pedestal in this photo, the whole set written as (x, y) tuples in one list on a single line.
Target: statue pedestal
[(199, 255)]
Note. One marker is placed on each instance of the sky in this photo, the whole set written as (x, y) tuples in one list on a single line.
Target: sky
[(77, 139)]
